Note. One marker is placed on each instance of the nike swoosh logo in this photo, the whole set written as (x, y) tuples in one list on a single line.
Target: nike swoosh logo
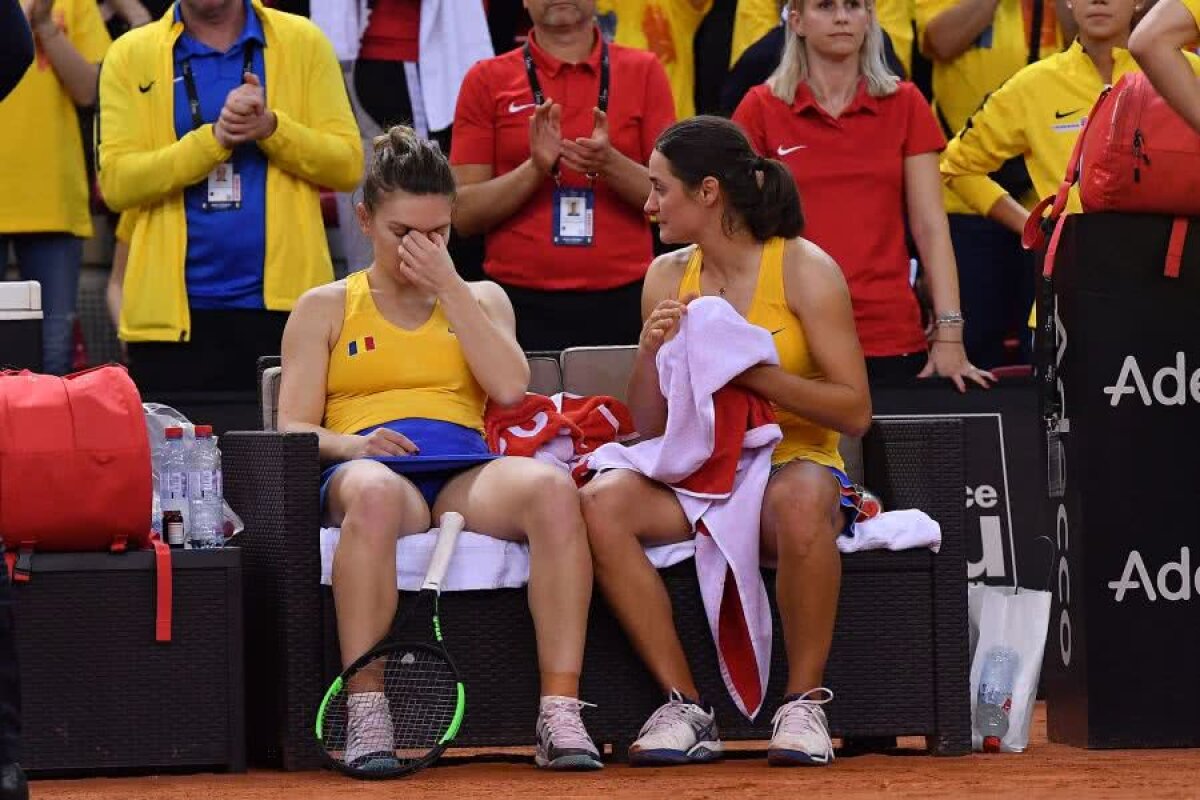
[(783, 151), (1065, 114), (774, 333), (513, 108), (143, 88)]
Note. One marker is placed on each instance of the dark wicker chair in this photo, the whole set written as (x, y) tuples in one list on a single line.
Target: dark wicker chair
[(899, 664)]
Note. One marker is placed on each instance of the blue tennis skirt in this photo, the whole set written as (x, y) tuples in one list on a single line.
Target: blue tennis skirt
[(445, 449)]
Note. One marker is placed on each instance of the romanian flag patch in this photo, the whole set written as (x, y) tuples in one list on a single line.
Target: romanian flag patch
[(365, 344)]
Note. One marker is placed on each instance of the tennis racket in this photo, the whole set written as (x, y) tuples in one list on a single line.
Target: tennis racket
[(396, 709)]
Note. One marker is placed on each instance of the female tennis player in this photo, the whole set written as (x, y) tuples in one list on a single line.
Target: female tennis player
[(743, 214), (391, 368)]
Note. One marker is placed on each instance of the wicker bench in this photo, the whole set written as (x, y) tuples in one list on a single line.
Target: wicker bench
[(899, 663)]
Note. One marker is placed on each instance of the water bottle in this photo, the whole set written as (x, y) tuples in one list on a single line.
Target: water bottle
[(995, 695), (207, 525), (156, 523), (173, 489)]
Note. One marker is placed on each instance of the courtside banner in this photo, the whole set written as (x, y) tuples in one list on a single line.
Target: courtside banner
[(1123, 469)]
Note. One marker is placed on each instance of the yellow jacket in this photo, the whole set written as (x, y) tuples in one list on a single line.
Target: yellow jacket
[(1038, 113), (143, 165)]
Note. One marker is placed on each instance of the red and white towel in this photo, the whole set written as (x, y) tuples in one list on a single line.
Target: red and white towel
[(716, 455), (561, 430)]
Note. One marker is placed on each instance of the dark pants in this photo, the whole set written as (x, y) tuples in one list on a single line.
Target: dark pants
[(996, 283), (895, 369), (558, 320), (10, 677), (221, 356)]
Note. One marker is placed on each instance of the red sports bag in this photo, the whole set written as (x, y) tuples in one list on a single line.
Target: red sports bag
[(1135, 154), (75, 470)]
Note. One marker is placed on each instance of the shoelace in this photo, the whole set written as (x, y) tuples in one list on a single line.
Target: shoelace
[(803, 715), (564, 723), (675, 710)]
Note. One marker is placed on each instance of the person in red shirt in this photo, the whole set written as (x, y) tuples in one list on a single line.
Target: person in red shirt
[(863, 147), (549, 148)]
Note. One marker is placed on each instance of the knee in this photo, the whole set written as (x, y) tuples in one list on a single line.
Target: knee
[(605, 508), (553, 505), (801, 504), (377, 508)]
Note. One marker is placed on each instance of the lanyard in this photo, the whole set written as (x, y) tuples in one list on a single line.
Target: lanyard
[(538, 97), (536, 87), (189, 83)]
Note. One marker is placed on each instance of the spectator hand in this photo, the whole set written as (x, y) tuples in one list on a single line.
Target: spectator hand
[(380, 442), (425, 262), (245, 117), (662, 324), (38, 14), (949, 360), (545, 136), (590, 155)]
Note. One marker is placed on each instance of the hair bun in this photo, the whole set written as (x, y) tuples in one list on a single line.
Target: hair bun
[(397, 140)]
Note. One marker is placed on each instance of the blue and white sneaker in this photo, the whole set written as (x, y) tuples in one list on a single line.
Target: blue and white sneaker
[(562, 741), (369, 744), (679, 732), (801, 735)]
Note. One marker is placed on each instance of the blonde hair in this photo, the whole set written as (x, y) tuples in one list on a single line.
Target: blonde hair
[(793, 66)]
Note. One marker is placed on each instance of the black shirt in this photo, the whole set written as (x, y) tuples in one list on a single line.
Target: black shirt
[(16, 46)]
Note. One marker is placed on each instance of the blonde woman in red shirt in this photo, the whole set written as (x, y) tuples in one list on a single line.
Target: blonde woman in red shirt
[(863, 148)]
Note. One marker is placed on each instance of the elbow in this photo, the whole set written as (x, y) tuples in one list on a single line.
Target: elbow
[(109, 192), (465, 224), (860, 422), (938, 47), (508, 396), (1141, 44)]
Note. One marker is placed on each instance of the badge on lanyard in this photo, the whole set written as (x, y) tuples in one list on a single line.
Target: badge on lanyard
[(224, 189), (574, 218)]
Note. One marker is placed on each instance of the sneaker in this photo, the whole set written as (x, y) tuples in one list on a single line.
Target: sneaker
[(679, 732), (369, 731), (562, 741), (801, 734)]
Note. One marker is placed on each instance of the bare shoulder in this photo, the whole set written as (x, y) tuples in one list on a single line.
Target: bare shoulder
[(668, 268), (811, 274), (322, 301)]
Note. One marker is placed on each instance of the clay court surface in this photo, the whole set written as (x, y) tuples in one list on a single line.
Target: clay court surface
[(1046, 770)]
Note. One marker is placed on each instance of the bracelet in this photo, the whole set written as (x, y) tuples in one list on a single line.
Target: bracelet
[(950, 319), (946, 341)]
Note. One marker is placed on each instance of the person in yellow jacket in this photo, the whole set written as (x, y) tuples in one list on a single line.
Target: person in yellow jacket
[(45, 212), (665, 28), (1157, 43), (975, 46), (219, 123)]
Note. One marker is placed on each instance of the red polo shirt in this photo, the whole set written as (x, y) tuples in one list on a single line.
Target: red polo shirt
[(491, 126), (850, 173), (393, 31)]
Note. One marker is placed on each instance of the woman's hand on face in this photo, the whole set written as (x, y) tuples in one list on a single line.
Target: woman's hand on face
[(425, 262), (662, 324), (949, 360)]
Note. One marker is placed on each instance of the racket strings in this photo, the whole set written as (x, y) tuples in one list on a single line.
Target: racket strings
[(404, 702)]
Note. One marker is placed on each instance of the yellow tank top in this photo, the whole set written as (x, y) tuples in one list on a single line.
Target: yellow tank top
[(769, 309), (379, 372)]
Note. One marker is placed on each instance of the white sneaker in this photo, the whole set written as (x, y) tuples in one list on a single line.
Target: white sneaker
[(801, 735), (369, 731), (562, 741), (679, 732)]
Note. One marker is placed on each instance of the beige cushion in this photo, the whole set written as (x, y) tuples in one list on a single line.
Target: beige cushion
[(545, 376), (270, 397), (598, 370)]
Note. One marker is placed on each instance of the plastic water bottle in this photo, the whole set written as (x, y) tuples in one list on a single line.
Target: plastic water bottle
[(995, 695), (173, 489), (156, 525), (207, 528)]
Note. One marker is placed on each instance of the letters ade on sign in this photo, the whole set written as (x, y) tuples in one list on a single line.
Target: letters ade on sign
[(1003, 494), (1124, 644)]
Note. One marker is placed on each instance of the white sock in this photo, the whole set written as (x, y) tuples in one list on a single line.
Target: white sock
[(369, 725)]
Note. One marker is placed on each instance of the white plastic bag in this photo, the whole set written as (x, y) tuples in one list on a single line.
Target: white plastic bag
[(1004, 617)]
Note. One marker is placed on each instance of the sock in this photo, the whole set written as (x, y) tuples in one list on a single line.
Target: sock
[(369, 725)]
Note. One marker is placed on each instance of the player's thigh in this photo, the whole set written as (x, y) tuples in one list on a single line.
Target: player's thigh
[(499, 498), (375, 494), (621, 502)]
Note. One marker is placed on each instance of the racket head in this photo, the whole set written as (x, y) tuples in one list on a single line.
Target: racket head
[(406, 694)]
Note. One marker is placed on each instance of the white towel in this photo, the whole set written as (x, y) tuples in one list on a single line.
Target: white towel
[(893, 530), (480, 562), (343, 22), (454, 35)]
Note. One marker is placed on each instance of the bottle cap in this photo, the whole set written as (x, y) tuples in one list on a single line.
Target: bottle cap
[(991, 744), (203, 431), (174, 433)]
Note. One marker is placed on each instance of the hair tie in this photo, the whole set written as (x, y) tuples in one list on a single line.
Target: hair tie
[(760, 164)]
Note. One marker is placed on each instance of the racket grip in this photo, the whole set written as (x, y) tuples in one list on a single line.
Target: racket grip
[(451, 525)]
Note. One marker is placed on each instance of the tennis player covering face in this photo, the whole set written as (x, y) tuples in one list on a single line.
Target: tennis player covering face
[(396, 362), (743, 214)]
